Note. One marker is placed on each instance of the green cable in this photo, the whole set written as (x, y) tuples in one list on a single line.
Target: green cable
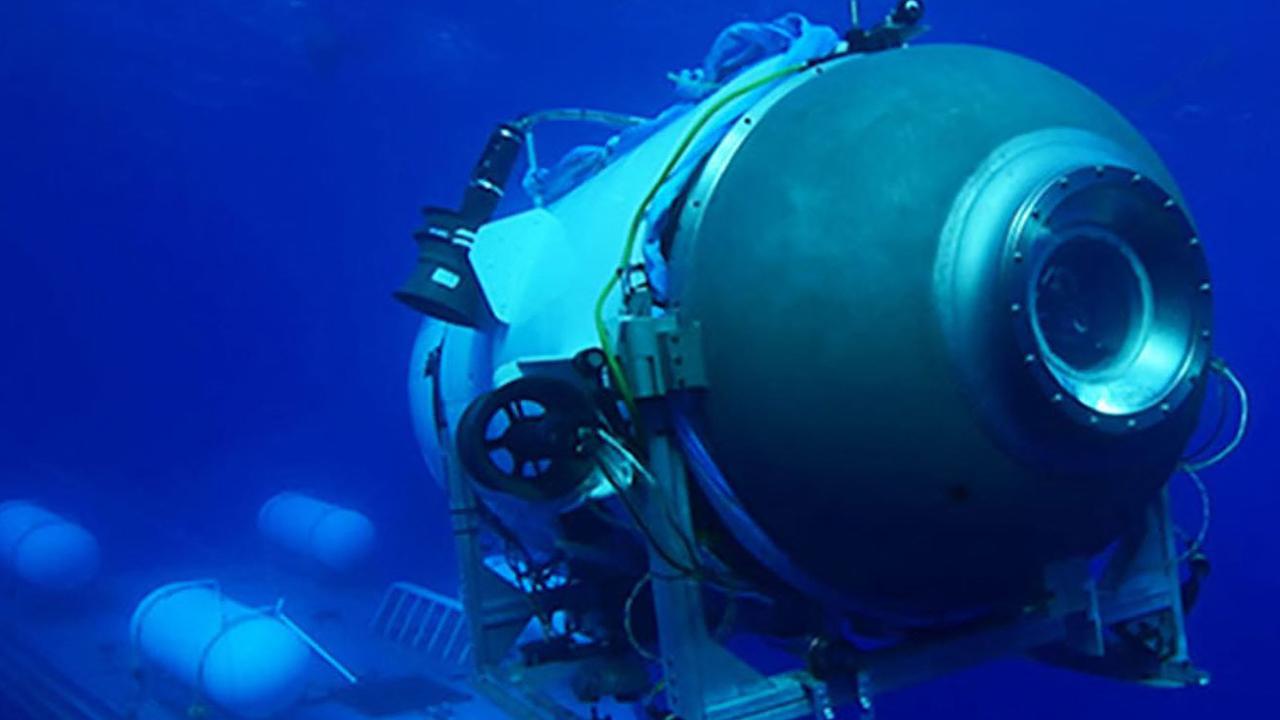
[(615, 368)]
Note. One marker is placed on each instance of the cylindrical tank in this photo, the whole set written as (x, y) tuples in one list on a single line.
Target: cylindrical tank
[(45, 550), (336, 537), (242, 660), (956, 319)]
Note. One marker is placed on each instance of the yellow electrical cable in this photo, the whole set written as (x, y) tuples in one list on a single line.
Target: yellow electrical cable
[(615, 367)]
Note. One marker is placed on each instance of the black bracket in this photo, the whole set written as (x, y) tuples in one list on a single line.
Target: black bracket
[(902, 25)]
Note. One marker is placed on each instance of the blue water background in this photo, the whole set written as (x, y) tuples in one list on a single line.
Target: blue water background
[(205, 204)]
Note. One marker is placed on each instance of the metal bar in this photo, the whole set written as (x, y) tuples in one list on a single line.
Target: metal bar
[(453, 635), (904, 666), (317, 649), (466, 527), (422, 625), (395, 614), (436, 635), (408, 617), (382, 606), (428, 594), (777, 698), (682, 628), (1162, 528)]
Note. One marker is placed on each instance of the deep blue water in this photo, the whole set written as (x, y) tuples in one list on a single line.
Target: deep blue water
[(204, 206)]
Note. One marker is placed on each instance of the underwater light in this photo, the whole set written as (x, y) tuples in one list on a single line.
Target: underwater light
[(444, 285)]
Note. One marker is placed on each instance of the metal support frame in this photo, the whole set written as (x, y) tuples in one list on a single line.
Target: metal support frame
[(1139, 586), (496, 612), (1137, 597), (705, 681)]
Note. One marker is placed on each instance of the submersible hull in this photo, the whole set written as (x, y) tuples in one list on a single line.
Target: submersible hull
[(956, 320)]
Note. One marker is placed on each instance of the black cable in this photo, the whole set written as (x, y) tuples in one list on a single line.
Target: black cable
[(662, 499), (1199, 570), (728, 585), (516, 552), (643, 527), (684, 539)]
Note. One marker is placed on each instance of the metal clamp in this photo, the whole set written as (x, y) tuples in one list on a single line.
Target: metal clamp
[(661, 355)]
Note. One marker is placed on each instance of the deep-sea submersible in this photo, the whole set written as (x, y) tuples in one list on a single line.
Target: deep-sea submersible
[(863, 363), (883, 354)]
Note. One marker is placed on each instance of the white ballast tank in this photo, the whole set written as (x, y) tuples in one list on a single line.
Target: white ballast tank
[(47, 551), (336, 537), (243, 660)]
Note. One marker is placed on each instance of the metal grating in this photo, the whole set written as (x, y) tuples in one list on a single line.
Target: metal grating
[(424, 621)]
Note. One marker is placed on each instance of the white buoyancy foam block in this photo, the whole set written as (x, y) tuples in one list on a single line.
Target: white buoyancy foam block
[(46, 550), (337, 537), (244, 661)]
